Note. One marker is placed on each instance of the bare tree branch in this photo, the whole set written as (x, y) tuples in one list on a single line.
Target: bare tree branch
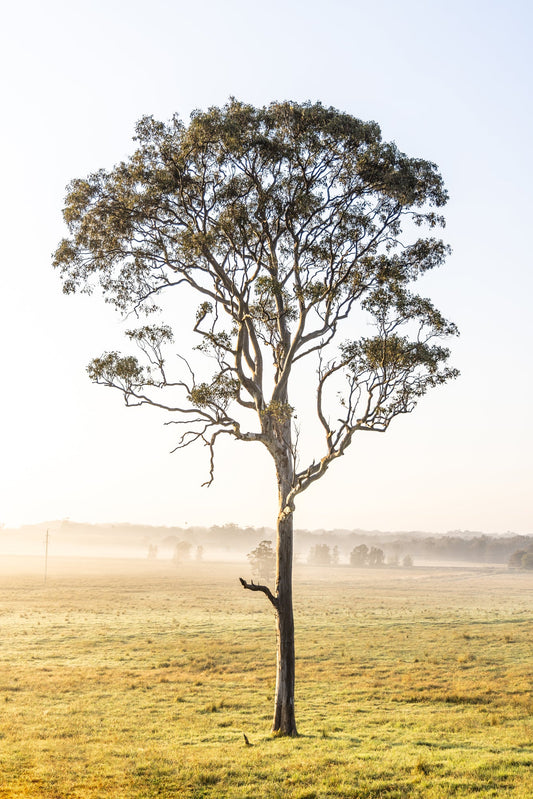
[(251, 586)]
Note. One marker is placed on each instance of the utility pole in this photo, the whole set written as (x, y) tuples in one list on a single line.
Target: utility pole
[(46, 558)]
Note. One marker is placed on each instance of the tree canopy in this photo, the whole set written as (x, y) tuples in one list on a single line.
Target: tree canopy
[(263, 560), (282, 220)]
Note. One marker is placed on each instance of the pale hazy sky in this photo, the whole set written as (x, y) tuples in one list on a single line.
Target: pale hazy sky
[(448, 81)]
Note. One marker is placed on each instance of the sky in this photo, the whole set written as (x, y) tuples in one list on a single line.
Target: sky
[(447, 81)]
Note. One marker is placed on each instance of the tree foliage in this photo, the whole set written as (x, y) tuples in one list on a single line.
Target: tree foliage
[(521, 559), (320, 555), (182, 551), (282, 221), (263, 560), (361, 555)]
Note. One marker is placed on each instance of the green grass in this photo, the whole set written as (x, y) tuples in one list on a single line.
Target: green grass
[(410, 683)]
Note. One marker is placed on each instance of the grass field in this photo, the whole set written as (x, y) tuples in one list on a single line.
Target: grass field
[(139, 680)]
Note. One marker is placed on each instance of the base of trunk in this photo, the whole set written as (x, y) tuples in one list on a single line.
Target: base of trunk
[(288, 733), (285, 722)]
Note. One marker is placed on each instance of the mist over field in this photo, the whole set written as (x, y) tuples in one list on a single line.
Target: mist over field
[(231, 543)]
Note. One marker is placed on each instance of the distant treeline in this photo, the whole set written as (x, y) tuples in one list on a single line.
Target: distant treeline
[(479, 548), (415, 548), (232, 541)]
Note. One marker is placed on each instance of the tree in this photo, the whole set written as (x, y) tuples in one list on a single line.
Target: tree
[(515, 560), (376, 557), (527, 560), (295, 227), (320, 555), (182, 552), (521, 559), (359, 555), (263, 560)]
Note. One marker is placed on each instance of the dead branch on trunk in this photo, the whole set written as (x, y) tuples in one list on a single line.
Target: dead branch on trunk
[(251, 586)]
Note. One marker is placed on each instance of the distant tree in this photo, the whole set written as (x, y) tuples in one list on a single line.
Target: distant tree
[(182, 551), (320, 555), (527, 561), (376, 557), (335, 557), (263, 560), (286, 223), (152, 551), (407, 562), (199, 552), (515, 561), (359, 555)]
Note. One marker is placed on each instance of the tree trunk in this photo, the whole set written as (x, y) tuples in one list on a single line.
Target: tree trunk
[(284, 721)]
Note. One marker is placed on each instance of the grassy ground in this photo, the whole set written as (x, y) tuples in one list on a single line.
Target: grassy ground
[(411, 683)]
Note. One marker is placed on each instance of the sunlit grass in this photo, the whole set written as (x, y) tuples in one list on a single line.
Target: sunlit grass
[(143, 684)]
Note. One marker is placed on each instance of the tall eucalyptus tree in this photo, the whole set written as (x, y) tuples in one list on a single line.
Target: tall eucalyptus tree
[(295, 226)]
